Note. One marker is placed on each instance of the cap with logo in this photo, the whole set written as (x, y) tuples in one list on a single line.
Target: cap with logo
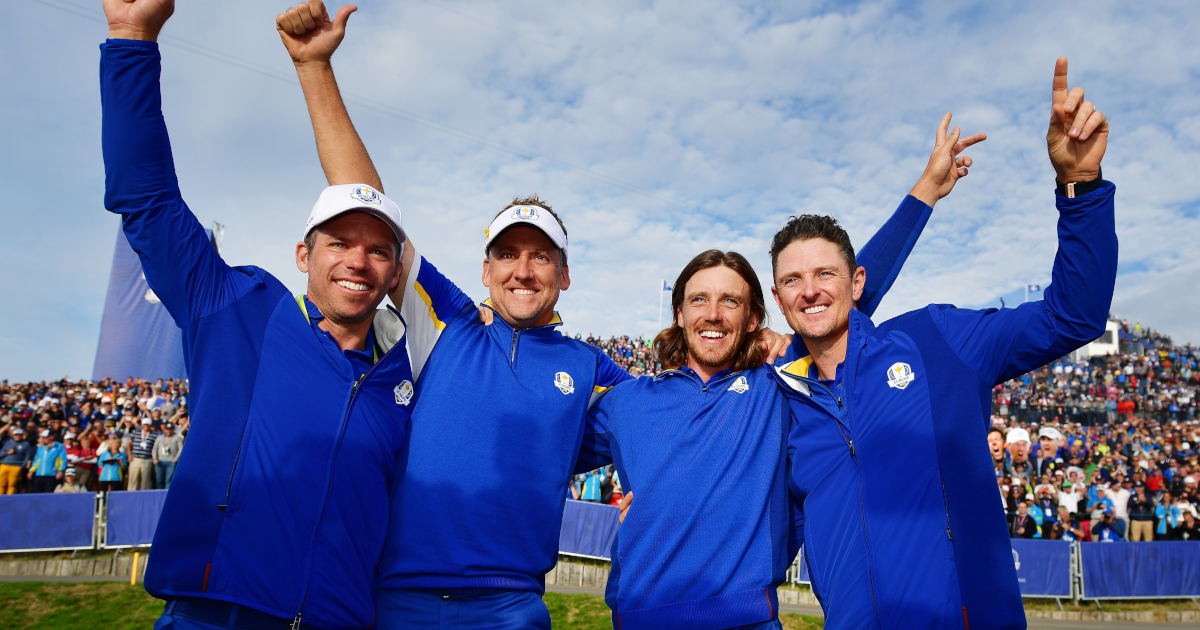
[(1016, 435), (338, 200), (533, 216)]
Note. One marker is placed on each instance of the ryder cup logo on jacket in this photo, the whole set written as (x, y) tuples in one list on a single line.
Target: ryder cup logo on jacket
[(900, 375), (525, 213), (404, 392), (564, 382), (365, 194), (740, 386)]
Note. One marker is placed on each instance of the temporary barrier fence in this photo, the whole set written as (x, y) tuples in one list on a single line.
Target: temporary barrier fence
[(1045, 568), (588, 529), (48, 522)]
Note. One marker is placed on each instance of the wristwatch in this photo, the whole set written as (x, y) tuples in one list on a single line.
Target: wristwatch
[(1074, 189)]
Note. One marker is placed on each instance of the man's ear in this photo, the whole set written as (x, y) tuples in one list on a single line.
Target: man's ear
[(302, 257), (679, 319), (564, 278), (396, 281), (487, 273), (860, 282)]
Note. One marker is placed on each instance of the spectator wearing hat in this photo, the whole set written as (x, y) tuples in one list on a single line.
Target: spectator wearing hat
[(1109, 528), (167, 448), (1048, 457), (48, 464), (1120, 494), (15, 455), (69, 484), (111, 461), (140, 451), (1018, 445), (1141, 516)]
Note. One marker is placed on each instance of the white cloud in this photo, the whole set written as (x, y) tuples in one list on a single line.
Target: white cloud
[(696, 125)]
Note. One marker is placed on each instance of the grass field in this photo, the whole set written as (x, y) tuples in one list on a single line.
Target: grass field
[(116, 606)]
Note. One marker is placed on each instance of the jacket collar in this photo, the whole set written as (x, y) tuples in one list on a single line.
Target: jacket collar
[(688, 372), (861, 329), (555, 322)]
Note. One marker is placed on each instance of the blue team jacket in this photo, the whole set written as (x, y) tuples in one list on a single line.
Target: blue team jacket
[(280, 500), (712, 531), (498, 416), (902, 525)]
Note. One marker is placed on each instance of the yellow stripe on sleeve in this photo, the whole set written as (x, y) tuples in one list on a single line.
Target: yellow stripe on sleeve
[(600, 390), (429, 303)]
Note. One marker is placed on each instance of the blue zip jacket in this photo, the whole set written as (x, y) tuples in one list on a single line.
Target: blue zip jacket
[(498, 416), (280, 500), (50, 460), (712, 531), (24, 452), (902, 525)]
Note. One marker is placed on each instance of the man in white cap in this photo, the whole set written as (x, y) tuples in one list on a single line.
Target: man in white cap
[(1017, 442), (509, 399), (1048, 455), (278, 511)]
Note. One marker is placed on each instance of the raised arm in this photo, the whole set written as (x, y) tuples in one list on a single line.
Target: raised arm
[(884, 255), (1002, 344), (180, 264), (311, 37)]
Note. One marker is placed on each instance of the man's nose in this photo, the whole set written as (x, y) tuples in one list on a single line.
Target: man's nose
[(356, 258), (523, 270)]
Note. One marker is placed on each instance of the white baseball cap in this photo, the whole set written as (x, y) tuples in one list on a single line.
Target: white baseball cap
[(147, 421), (1050, 432), (533, 216), (1016, 435), (338, 200)]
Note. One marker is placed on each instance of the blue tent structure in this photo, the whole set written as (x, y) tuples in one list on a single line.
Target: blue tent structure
[(138, 338)]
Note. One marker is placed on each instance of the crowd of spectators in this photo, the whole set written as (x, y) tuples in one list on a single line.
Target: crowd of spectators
[(79, 436), (1102, 448), (634, 354)]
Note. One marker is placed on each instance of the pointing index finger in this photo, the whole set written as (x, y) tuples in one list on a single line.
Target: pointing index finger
[(1059, 93)]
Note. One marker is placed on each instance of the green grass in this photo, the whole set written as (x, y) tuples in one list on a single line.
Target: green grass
[(117, 606), (76, 606)]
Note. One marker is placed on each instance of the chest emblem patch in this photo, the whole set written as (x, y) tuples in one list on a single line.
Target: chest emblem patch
[(404, 393), (564, 383), (740, 385), (900, 375)]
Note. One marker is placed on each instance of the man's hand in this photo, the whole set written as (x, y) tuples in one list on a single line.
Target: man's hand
[(486, 315), (1078, 134), (945, 166), (625, 502), (137, 19), (775, 344), (308, 33)]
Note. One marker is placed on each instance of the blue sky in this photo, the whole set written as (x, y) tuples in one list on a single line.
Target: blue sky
[(658, 129)]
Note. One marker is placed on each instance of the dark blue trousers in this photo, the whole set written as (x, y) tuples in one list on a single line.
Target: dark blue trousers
[(496, 610)]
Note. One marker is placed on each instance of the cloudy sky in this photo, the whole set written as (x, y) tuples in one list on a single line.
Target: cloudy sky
[(657, 129)]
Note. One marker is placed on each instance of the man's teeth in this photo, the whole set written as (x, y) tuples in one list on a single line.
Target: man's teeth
[(813, 310), (712, 334), (353, 286), (523, 291)]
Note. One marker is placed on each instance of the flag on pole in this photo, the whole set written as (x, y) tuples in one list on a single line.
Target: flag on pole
[(667, 287), (1033, 287), (1002, 301)]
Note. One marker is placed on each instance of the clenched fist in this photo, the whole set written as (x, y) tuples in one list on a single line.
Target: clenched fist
[(137, 19), (309, 34)]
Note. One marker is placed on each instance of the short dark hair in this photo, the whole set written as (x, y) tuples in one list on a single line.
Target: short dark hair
[(533, 200), (670, 345), (809, 226)]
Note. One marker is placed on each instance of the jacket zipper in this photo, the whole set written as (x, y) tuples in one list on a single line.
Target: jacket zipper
[(512, 360), (862, 502), (295, 625), (946, 504)]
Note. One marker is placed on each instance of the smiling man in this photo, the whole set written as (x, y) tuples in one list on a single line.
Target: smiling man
[(277, 512), (708, 557), (888, 446)]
